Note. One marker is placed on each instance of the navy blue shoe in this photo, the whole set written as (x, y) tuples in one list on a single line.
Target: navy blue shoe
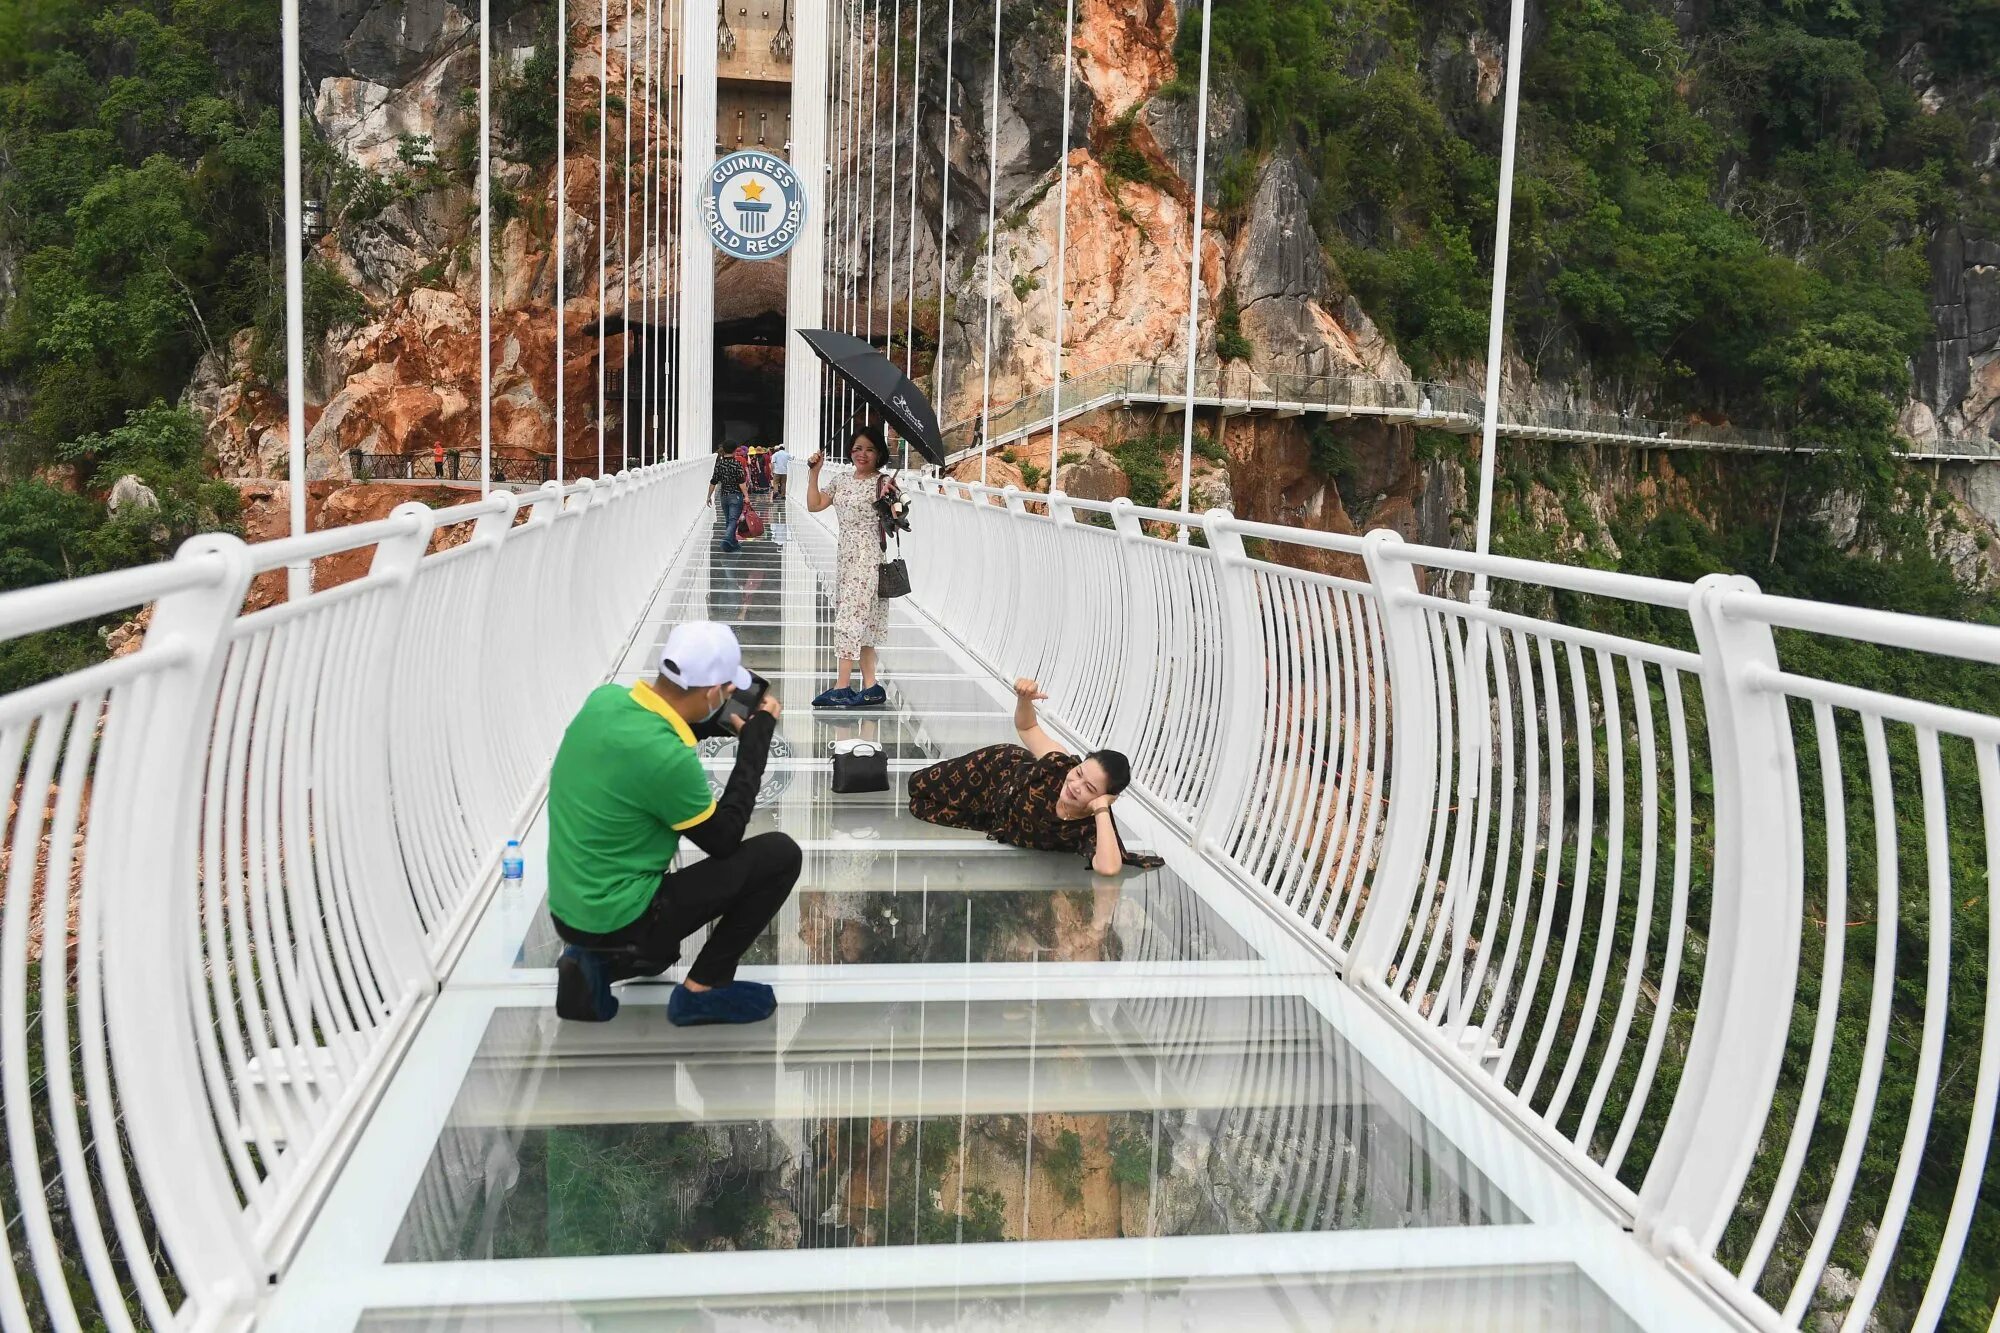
[(583, 987), (872, 697), (738, 1002), (840, 696)]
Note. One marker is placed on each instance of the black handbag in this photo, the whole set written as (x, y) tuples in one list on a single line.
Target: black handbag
[(859, 766), (892, 578)]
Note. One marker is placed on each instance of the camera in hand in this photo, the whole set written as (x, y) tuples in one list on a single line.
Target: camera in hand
[(739, 706)]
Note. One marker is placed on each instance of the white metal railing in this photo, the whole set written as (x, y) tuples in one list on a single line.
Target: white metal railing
[(1602, 845), (242, 856)]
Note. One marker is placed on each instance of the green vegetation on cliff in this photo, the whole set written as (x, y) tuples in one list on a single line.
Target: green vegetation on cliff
[(137, 214), (1731, 218)]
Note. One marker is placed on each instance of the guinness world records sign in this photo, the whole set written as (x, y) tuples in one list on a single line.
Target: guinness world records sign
[(754, 206)]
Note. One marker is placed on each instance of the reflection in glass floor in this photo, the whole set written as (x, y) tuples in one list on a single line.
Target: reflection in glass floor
[(875, 906), (1000, 1092), (940, 1123)]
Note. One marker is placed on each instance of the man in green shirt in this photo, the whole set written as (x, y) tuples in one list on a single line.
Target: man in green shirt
[(626, 786)]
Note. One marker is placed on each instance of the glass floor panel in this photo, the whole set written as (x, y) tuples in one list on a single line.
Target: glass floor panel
[(975, 1048), (939, 1122), (1555, 1299), (766, 658), (805, 624), (757, 611), (802, 802), (873, 906), (806, 733)]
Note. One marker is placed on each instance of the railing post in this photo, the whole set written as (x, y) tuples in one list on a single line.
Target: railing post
[(1015, 505), (400, 927), (1059, 509), (1412, 794), (1243, 682), (144, 882), (1749, 978), (1135, 705)]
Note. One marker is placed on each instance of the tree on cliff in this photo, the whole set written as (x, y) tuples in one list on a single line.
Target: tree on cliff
[(1709, 216)]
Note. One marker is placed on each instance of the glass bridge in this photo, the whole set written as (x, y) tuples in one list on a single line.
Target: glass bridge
[(1536, 948), (1490, 982), (999, 1091)]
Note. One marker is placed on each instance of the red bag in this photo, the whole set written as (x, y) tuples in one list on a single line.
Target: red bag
[(750, 525)]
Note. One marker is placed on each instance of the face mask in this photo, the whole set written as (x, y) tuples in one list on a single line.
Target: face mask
[(720, 699)]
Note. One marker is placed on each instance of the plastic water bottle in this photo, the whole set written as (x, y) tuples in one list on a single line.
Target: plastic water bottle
[(511, 866)]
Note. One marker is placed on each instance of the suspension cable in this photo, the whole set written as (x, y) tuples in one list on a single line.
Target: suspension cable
[(895, 125), (656, 358), (992, 192), (603, 199), (1062, 240), (944, 201), (625, 268), (648, 132), (1489, 434), (836, 206), (829, 182), (851, 313), (1196, 211), (874, 195), (298, 576), (485, 250), (916, 121), (676, 217), (561, 210), (656, 249)]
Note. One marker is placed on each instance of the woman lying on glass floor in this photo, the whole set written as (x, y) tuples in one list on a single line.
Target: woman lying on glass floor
[(1035, 794)]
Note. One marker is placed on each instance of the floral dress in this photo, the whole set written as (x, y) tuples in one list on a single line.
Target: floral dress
[(1009, 795), (859, 618)]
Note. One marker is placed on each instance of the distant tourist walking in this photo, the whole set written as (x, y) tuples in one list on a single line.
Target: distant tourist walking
[(729, 478), (860, 620), (781, 467), (437, 458)]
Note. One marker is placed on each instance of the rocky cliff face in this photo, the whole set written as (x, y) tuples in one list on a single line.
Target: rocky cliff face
[(1130, 235), (393, 84), (405, 377)]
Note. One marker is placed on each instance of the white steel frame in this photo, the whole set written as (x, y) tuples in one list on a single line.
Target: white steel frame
[(1446, 874), (294, 816)]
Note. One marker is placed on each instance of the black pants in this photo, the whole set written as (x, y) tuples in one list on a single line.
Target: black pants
[(740, 893)]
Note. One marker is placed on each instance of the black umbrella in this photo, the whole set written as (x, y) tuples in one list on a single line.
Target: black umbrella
[(875, 377)]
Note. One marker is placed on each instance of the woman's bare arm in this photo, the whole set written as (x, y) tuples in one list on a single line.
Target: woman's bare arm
[(1028, 726), (1108, 858), (816, 499)]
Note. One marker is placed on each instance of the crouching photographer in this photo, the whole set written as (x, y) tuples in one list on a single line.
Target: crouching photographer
[(626, 786)]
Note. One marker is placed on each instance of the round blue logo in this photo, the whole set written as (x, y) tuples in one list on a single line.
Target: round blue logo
[(755, 205)]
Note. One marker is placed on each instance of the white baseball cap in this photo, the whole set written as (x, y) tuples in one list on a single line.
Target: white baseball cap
[(702, 653)]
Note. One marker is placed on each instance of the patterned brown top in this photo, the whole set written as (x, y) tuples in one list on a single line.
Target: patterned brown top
[(1009, 795)]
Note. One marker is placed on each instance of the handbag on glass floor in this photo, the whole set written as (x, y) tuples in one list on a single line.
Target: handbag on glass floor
[(859, 766)]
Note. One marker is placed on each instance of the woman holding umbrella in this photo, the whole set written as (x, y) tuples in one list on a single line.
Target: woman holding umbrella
[(860, 620)]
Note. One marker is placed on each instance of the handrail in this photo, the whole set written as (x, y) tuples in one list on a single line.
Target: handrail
[(1634, 894), (1447, 405), (273, 830), (1603, 880)]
